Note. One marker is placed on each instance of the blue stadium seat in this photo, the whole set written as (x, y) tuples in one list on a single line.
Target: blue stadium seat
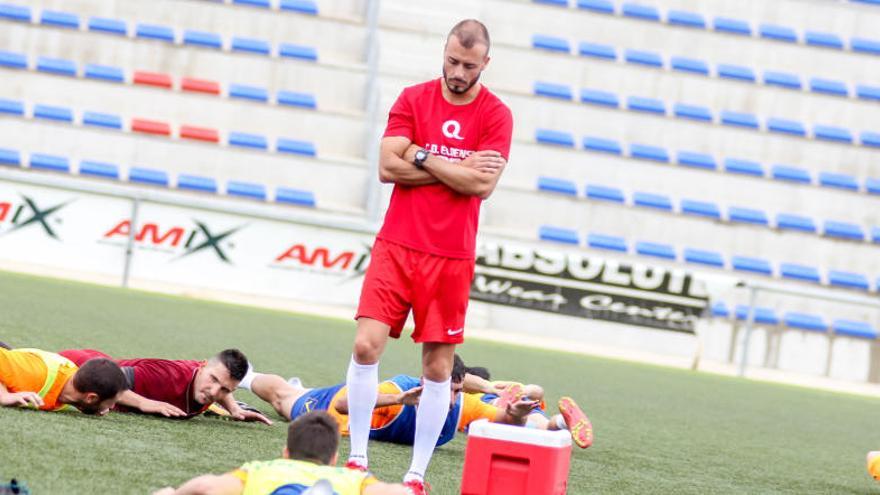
[(791, 174), (656, 250), (99, 169), (747, 215), (107, 120), (107, 25), (13, 60), (695, 112), (557, 234), (551, 43), (602, 145), (698, 160), (685, 64), (647, 152), (10, 157), (839, 181), (732, 26), (302, 7), (832, 133), (850, 328), (244, 140), (828, 86), (558, 3), (739, 119), (648, 105), (296, 147), (49, 162), (700, 208), (720, 310), (57, 66), (608, 242), (763, 316), (104, 73), (875, 235), (562, 91), (827, 40), (805, 321), (779, 33), (786, 126), (865, 92), (865, 45), (51, 112), (254, 3), (555, 185), (782, 79), (739, 72), (604, 193), (248, 92), (148, 176), (656, 201), (250, 45), (752, 265), (744, 167), (848, 280), (703, 257), (302, 52), (872, 185), (800, 272), (597, 97), (686, 19), (601, 6), (557, 138), (843, 230), (15, 12), (11, 107), (643, 57), (59, 19), (246, 190), (869, 138), (596, 50), (294, 196), (202, 38), (295, 99), (639, 11), (152, 31), (788, 221)]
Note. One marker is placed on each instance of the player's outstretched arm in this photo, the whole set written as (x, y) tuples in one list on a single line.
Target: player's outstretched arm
[(473, 384), (19, 399), (386, 489), (396, 156), (237, 413), (148, 406), (406, 398), (517, 412), (476, 175), (208, 484)]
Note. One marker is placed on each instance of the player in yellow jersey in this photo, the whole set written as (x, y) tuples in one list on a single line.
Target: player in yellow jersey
[(874, 464), (308, 460)]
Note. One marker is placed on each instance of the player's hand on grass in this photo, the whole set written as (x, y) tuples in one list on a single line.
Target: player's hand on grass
[(243, 415), (411, 397), (22, 399), (161, 408)]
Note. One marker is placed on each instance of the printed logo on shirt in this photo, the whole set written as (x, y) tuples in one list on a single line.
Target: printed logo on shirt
[(452, 130)]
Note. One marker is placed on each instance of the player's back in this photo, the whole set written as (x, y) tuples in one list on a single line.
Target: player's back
[(261, 477)]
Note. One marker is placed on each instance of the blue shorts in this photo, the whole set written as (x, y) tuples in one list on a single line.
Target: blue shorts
[(316, 399)]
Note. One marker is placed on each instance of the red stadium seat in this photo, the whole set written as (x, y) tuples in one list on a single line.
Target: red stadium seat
[(200, 86), (199, 133), (150, 127), (152, 79)]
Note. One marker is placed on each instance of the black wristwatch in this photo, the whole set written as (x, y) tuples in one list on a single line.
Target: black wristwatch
[(421, 156)]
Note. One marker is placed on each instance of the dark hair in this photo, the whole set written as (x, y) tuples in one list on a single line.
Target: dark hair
[(100, 376), (458, 369), (4, 345), (235, 361), (313, 437), (479, 371), (470, 32)]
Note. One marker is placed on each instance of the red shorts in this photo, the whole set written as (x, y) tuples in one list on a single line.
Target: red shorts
[(435, 288)]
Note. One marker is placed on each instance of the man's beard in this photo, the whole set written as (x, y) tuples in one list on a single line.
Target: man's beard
[(459, 90)]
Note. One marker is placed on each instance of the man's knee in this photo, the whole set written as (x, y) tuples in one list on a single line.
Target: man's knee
[(366, 351)]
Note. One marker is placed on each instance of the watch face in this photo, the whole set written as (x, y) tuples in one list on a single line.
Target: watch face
[(421, 155)]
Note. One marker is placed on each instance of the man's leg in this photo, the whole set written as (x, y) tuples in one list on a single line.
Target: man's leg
[(276, 391), (433, 405), (362, 381)]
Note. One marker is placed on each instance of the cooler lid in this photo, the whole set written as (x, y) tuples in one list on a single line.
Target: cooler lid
[(496, 431)]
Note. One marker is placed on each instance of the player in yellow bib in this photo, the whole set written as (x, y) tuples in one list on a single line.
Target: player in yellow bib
[(309, 461)]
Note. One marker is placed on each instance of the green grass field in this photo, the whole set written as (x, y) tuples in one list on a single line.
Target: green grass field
[(658, 430)]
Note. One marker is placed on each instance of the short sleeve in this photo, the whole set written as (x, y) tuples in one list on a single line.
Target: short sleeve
[(472, 409), (497, 131), (400, 119)]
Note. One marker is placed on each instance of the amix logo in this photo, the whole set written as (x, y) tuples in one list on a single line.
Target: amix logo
[(324, 260), (176, 239), (27, 213)]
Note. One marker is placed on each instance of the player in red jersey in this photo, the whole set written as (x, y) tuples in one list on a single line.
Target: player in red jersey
[(444, 148)]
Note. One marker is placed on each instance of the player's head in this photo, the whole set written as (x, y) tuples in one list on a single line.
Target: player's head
[(466, 55), (98, 384), (220, 375), (479, 371), (313, 437), (457, 378)]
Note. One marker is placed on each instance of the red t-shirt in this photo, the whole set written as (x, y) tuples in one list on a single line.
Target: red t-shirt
[(434, 218)]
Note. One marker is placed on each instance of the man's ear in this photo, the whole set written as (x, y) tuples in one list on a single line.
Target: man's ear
[(91, 398)]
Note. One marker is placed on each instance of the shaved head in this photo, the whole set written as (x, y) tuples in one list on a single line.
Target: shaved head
[(470, 32)]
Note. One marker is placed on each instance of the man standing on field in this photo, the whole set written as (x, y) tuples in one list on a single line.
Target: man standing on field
[(444, 148)]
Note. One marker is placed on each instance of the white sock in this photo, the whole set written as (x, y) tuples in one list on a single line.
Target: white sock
[(430, 418), (248, 379), (363, 391), (560, 422)]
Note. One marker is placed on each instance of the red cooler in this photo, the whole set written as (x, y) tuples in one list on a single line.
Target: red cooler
[(511, 460)]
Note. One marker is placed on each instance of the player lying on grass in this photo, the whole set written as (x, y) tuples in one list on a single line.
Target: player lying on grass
[(179, 388), (308, 460), (874, 464), (393, 417), (49, 382)]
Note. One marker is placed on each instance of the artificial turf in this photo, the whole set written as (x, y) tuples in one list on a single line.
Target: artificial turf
[(658, 430)]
